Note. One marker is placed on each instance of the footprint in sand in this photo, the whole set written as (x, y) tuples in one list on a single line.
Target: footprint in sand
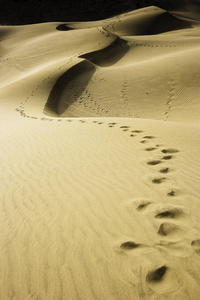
[(156, 275), (170, 230), (163, 280), (124, 127), (154, 162), (171, 193), (129, 245), (136, 131), (148, 137), (143, 141), (158, 180), (168, 157), (150, 149), (170, 150), (169, 212), (196, 246), (143, 204), (112, 123), (164, 170)]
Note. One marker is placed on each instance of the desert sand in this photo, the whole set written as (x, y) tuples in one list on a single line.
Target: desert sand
[(100, 164)]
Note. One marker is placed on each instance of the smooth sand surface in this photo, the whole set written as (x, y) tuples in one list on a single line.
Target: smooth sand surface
[(100, 163)]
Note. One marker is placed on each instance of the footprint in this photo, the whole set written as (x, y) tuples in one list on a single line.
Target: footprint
[(169, 212), (169, 150), (196, 245), (154, 162), (171, 194), (125, 127), (150, 149), (156, 275), (158, 180), (143, 205), (132, 135), (148, 137), (136, 131), (167, 229), (167, 157), (164, 170), (129, 245)]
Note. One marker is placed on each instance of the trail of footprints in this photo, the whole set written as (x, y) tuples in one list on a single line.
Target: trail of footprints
[(170, 219)]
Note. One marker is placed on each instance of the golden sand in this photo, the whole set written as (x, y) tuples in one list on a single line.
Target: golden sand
[(100, 161)]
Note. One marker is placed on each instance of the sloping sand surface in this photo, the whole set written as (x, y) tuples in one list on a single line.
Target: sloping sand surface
[(100, 162)]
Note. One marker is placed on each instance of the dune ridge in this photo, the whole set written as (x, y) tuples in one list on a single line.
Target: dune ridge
[(100, 159)]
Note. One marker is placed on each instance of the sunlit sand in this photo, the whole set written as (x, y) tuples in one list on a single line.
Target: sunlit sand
[(100, 163)]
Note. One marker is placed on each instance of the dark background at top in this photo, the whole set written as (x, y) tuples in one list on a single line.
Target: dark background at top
[(19, 12)]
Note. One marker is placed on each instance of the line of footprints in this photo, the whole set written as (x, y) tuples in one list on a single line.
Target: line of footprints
[(170, 214), (169, 219)]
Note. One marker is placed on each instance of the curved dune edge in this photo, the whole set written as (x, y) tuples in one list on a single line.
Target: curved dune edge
[(100, 159)]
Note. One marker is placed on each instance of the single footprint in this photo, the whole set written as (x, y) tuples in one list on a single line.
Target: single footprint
[(196, 245), (156, 275), (129, 245), (164, 170), (167, 229), (167, 157), (124, 127), (132, 135), (169, 212), (171, 194), (136, 131), (169, 150), (148, 137), (154, 162), (150, 149), (158, 180), (143, 204)]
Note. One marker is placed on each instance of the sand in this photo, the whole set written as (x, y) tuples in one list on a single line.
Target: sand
[(100, 164)]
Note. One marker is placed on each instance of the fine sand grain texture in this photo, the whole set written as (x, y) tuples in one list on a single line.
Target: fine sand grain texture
[(100, 163)]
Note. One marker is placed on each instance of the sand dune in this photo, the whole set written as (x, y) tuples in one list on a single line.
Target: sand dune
[(100, 158)]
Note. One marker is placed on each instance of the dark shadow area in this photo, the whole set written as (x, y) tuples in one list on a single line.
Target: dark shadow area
[(109, 55), (69, 87), (21, 12), (170, 4), (63, 27), (166, 22), (3, 33)]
